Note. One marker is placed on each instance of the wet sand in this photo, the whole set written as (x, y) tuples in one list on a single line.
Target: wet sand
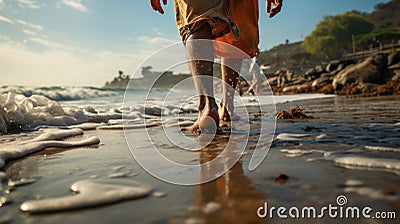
[(345, 128)]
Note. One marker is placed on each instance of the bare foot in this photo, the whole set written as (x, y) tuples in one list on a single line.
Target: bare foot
[(207, 121), (223, 114)]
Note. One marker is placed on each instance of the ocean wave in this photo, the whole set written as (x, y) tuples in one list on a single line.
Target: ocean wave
[(373, 163), (21, 113), (59, 93)]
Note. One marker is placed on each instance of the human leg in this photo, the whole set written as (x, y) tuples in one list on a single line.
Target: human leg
[(230, 68), (200, 54)]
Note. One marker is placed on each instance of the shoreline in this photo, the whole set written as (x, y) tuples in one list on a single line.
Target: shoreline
[(343, 127)]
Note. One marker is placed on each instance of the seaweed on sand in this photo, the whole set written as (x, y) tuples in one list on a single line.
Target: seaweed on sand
[(296, 113)]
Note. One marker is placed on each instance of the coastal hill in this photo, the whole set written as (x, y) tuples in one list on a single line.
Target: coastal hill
[(386, 15), (149, 79)]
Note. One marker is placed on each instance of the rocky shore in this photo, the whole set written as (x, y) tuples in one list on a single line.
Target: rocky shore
[(373, 76)]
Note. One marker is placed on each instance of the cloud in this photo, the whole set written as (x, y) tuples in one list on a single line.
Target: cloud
[(29, 32), (28, 3), (159, 33), (5, 19), (62, 65), (30, 25), (76, 4), (157, 40), (47, 43)]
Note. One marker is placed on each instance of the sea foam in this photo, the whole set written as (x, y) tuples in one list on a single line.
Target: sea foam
[(89, 194), (50, 138), (18, 112), (21, 113), (59, 93), (376, 163)]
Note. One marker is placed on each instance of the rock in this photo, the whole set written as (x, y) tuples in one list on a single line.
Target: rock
[(368, 71), (332, 66), (327, 89), (395, 67), (319, 69), (388, 191), (394, 71), (393, 58), (3, 126), (343, 64), (211, 207), (314, 73), (326, 75), (273, 81), (296, 88), (367, 87), (380, 60), (390, 88), (284, 78), (281, 178), (396, 77), (310, 71), (154, 111), (320, 82), (3, 177)]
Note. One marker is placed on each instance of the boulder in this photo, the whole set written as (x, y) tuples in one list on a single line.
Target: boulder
[(367, 87), (319, 69), (314, 73), (310, 71), (371, 70), (380, 60), (342, 65), (333, 65), (393, 58), (326, 75), (273, 81), (321, 82), (396, 77), (303, 88)]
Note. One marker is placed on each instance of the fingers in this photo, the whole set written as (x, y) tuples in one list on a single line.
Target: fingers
[(165, 2), (156, 5), (277, 7), (269, 4)]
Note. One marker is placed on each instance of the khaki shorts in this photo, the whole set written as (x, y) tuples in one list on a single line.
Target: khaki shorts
[(193, 14)]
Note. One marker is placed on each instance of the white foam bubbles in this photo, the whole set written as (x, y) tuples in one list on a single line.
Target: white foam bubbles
[(375, 163), (382, 148), (59, 93), (89, 194), (50, 138)]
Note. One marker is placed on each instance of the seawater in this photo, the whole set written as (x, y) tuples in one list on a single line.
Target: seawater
[(351, 143), (344, 134)]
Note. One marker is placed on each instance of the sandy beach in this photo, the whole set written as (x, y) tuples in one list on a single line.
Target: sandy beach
[(351, 148)]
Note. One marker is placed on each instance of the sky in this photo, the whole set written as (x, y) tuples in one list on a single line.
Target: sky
[(86, 42)]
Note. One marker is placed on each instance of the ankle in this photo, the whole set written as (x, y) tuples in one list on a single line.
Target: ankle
[(226, 108)]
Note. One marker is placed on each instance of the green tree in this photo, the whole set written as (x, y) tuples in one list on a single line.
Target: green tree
[(333, 35), (376, 37)]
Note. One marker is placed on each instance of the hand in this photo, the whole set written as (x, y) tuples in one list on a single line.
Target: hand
[(156, 5), (277, 7)]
